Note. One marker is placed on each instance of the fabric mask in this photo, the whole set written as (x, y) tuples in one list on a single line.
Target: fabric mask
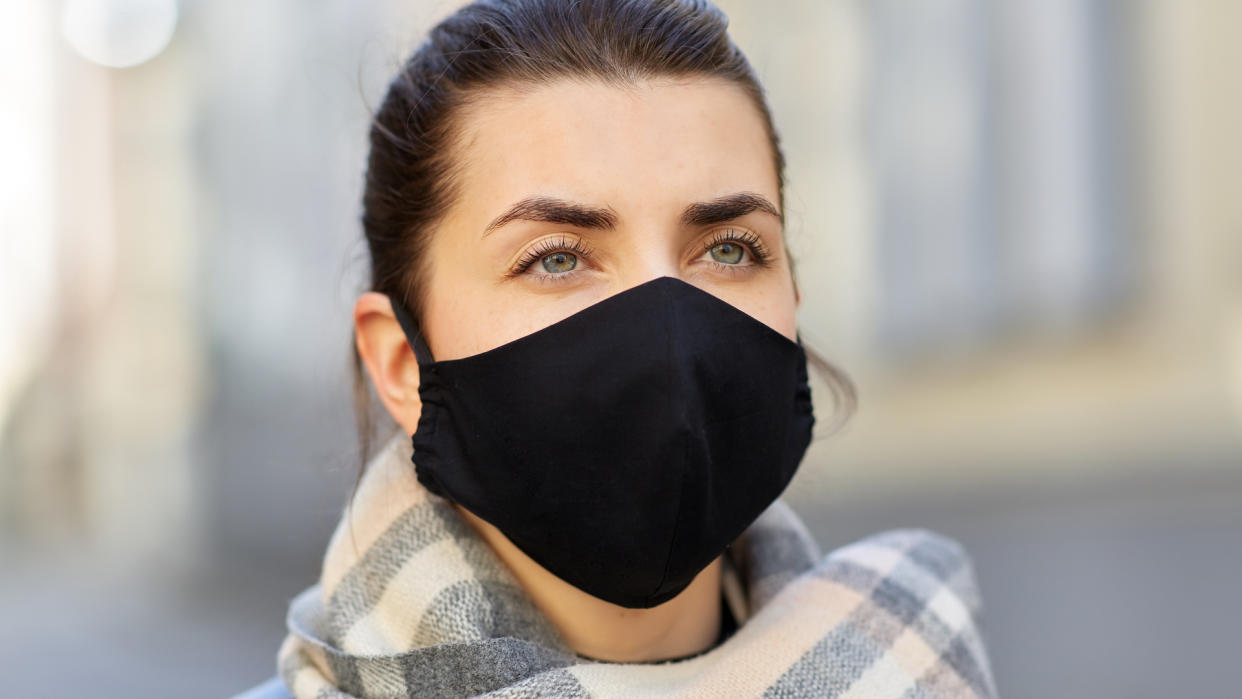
[(624, 447)]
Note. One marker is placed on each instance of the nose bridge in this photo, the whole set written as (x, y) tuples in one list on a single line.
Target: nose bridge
[(654, 252)]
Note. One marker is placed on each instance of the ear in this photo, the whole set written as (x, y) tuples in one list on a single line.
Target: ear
[(388, 358)]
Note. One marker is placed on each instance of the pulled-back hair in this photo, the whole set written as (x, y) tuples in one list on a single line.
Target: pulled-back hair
[(410, 177)]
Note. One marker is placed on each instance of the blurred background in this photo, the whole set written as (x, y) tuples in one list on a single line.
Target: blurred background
[(1018, 228)]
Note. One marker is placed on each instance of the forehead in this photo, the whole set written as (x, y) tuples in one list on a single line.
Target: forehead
[(634, 145)]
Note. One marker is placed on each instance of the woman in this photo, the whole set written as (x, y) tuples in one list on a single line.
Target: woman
[(582, 315)]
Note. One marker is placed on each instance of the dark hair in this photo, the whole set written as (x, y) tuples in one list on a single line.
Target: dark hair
[(410, 178)]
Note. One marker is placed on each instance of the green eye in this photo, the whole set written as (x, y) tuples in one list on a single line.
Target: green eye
[(560, 262), (728, 253)]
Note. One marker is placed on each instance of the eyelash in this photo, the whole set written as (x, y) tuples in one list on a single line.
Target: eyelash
[(548, 247), (758, 251), (754, 244)]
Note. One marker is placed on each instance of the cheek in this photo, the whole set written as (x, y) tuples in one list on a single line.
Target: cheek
[(465, 316), (773, 305), (781, 315), (462, 319)]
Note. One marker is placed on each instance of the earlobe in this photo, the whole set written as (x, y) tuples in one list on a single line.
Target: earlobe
[(388, 358)]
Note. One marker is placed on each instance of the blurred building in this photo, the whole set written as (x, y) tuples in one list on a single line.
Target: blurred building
[(1018, 227)]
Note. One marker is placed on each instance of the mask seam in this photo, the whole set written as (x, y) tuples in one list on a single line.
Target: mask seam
[(671, 361), (681, 490)]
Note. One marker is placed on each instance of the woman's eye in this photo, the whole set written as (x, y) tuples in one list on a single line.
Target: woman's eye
[(552, 259), (559, 262), (727, 253)]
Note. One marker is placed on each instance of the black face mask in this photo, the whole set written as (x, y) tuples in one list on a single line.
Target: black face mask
[(624, 447)]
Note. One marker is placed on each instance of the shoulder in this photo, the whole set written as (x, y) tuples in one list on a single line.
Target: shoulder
[(921, 561), (918, 584), (891, 612), (274, 688)]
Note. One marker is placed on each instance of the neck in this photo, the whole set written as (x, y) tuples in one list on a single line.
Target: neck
[(687, 624)]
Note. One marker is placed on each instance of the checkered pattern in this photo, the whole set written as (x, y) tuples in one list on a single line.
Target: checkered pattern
[(412, 602)]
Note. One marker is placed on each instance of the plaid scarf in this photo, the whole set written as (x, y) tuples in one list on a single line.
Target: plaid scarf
[(412, 602)]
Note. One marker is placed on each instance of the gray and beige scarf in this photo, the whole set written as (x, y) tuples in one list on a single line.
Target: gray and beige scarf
[(412, 602)]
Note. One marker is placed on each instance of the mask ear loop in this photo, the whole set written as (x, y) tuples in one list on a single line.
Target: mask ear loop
[(412, 334), (426, 421)]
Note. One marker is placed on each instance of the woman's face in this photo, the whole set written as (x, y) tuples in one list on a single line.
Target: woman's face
[(574, 191)]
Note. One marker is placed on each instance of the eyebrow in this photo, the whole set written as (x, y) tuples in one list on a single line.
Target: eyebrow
[(553, 210)]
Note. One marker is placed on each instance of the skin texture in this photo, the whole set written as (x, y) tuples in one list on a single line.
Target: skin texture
[(642, 152)]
